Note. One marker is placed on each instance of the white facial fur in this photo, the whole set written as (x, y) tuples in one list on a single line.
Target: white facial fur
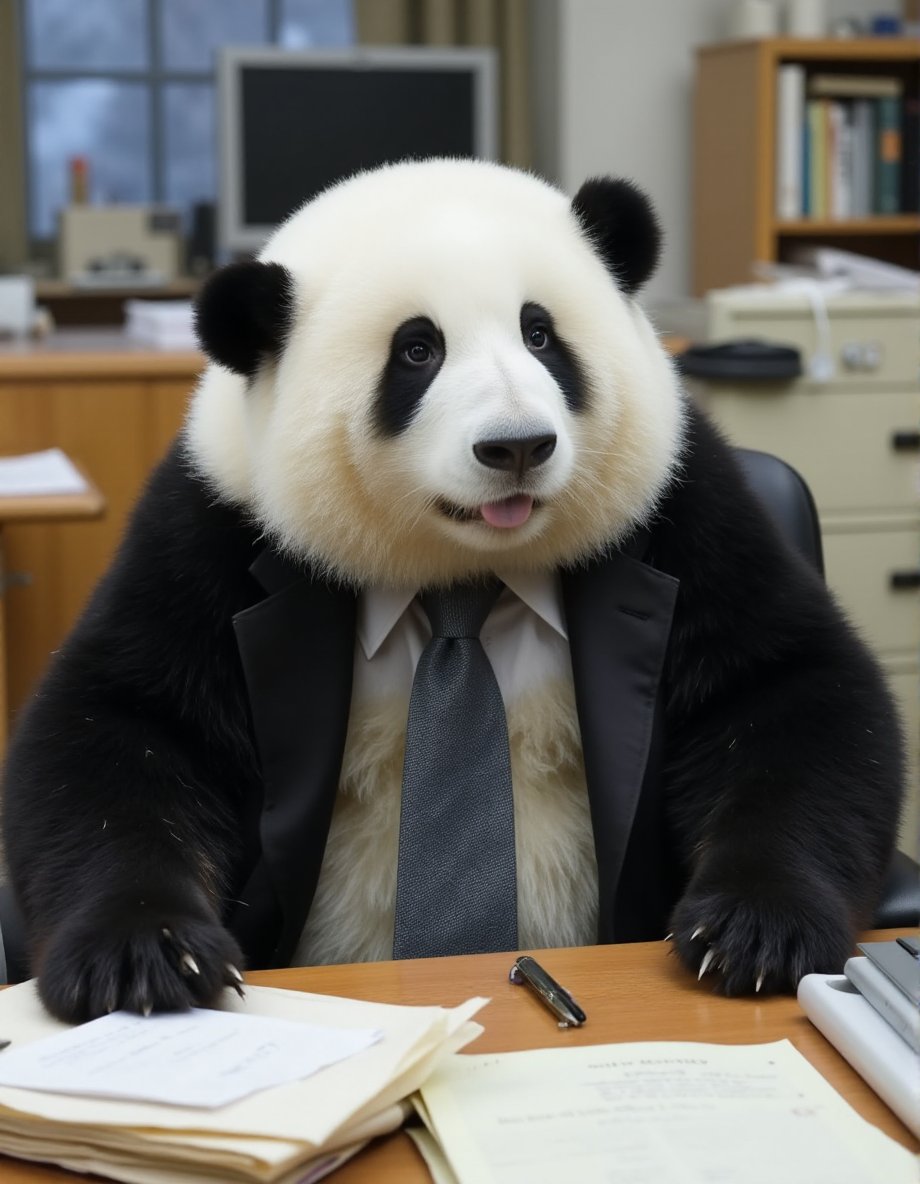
[(465, 244)]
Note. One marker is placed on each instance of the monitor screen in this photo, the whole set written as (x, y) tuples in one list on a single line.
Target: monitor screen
[(294, 123)]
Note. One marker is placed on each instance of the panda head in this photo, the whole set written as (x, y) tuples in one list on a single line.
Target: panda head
[(437, 369)]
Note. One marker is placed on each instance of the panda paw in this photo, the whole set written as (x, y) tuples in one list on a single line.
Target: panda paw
[(138, 958), (761, 938)]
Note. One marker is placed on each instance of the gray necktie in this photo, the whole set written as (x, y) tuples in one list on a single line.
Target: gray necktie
[(456, 889)]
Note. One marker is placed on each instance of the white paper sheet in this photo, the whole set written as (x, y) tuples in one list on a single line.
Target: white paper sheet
[(195, 1058), (39, 474), (645, 1113), (311, 1113)]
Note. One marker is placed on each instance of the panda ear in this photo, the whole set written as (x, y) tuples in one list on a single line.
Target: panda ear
[(621, 223), (244, 313)]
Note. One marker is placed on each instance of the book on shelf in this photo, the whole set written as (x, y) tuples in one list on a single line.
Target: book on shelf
[(847, 146), (887, 182), (816, 198), (910, 158), (790, 159), (853, 86)]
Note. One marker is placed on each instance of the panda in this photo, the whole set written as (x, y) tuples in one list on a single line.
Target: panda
[(209, 774)]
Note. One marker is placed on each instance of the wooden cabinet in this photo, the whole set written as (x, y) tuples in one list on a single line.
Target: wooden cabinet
[(114, 409), (734, 157), (856, 440)]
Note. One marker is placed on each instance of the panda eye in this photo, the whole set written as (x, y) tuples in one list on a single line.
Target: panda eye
[(417, 352), (537, 337)]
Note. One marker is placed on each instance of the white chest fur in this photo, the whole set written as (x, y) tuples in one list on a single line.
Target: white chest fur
[(352, 915)]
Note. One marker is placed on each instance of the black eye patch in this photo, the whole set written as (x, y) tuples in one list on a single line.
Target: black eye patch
[(539, 335), (416, 355)]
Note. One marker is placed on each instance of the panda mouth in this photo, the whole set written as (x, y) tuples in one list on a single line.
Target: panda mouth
[(506, 514)]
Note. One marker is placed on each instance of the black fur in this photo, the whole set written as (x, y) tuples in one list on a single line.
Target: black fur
[(244, 313), (554, 354), (621, 223), (785, 765), (133, 791), (405, 380)]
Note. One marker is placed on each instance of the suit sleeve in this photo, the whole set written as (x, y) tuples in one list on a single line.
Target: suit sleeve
[(131, 769), (784, 752)]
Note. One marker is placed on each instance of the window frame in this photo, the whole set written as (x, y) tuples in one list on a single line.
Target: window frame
[(155, 77)]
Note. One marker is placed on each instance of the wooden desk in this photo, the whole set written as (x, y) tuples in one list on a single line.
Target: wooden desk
[(48, 508), (630, 992), (114, 407)]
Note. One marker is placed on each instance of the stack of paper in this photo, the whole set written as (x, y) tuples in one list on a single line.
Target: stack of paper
[(165, 324), (86, 1109), (39, 474), (623, 1113)]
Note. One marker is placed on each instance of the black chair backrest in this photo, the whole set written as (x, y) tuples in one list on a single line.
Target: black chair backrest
[(787, 499), (14, 965)]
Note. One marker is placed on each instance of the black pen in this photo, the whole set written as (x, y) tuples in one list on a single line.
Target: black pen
[(910, 944), (529, 973)]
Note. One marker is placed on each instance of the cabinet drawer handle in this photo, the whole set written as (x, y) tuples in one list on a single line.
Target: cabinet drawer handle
[(906, 440), (904, 579)]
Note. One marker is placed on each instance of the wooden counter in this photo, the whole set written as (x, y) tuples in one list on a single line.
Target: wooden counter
[(32, 508), (114, 407)]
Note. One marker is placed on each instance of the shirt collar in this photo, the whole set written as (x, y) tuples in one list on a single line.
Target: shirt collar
[(380, 609)]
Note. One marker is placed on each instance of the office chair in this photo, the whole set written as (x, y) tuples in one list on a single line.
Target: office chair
[(14, 965), (788, 501)]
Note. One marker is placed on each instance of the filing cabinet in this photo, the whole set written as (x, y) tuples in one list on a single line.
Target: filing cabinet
[(853, 433)]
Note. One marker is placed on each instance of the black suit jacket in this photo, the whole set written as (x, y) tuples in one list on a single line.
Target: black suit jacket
[(187, 739), (618, 611)]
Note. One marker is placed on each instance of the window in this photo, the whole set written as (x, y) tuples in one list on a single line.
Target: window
[(128, 85)]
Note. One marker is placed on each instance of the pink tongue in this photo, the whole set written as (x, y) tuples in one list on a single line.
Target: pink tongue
[(512, 511)]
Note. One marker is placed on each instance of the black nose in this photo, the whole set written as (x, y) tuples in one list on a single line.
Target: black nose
[(517, 453)]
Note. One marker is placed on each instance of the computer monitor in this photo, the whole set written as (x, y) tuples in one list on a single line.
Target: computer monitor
[(292, 123)]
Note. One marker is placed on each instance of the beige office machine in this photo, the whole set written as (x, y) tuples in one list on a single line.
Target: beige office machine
[(118, 245), (855, 438)]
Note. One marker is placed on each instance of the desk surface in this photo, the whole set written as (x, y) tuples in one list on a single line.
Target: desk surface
[(630, 992), (52, 507), (76, 354)]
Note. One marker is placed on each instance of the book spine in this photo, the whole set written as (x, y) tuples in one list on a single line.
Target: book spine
[(807, 208), (863, 157), (841, 160), (790, 118), (888, 1000), (910, 178), (887, 188), (817, 168)]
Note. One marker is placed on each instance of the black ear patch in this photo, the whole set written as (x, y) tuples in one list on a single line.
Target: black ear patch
[(623, 228), (244, 313)]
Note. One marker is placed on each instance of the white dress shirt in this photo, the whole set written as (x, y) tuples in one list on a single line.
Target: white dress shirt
[(524, 637)]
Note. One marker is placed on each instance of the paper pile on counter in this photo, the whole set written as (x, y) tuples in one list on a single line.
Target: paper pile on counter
[(297, 1131), (164, 324)]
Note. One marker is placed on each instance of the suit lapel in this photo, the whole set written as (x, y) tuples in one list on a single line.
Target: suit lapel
[(297, 651), (618, 614)]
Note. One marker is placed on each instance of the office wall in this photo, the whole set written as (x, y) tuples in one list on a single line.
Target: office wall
[(612, 94)]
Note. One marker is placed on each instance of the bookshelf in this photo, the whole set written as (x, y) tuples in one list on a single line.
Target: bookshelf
[(734, 157)]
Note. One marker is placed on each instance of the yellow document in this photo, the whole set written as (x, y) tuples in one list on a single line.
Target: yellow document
[(644, 1113)]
